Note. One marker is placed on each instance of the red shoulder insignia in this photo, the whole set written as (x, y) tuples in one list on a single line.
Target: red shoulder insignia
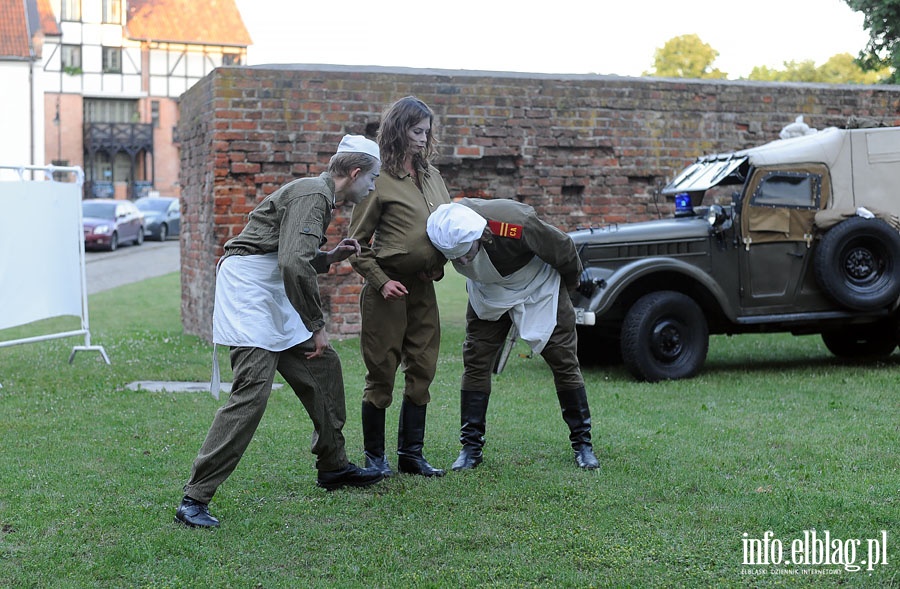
[(506, 229)]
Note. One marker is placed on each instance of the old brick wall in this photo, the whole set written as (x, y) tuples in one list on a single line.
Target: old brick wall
[(582, 149)]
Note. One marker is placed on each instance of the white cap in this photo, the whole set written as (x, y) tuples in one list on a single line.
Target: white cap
[(453, 228), (359, 144)]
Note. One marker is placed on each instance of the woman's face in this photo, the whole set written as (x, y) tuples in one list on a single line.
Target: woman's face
[(418, 136)]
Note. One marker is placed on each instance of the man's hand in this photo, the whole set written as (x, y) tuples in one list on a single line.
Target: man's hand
[(320, 339), (346, 248), (393, 290)]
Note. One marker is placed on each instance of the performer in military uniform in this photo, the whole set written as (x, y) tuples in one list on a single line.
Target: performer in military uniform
[(519, 269), (398, 305), (268, 310)]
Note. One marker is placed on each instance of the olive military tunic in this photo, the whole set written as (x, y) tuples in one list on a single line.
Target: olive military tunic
[(390, 227), (291, 222), (531, 237)]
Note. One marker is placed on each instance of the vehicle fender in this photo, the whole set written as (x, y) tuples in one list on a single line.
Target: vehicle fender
[(614, 284)]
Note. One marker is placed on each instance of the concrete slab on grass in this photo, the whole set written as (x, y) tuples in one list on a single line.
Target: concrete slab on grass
[(157, 386)]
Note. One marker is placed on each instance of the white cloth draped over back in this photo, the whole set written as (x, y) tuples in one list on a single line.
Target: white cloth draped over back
[(252, 308), (530, 294)]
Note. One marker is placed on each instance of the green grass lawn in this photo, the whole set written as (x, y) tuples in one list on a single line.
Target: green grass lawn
[(774, 436)]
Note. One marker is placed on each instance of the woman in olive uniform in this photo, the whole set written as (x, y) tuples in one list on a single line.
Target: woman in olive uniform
[(398, 306)]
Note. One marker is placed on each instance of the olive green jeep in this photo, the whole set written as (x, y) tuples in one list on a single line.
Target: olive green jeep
[(799, 235)]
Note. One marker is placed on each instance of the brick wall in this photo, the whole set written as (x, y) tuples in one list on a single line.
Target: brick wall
[(582, 149)]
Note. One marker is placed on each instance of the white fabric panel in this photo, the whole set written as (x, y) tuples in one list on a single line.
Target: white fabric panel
[(40, 251)]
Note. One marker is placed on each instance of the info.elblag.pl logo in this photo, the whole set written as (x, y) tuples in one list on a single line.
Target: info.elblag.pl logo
[(816, 549)]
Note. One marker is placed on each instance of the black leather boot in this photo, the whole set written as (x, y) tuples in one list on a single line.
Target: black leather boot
[(411, 439), (373, 438), (472, 411), (577, 415), (195, 514)]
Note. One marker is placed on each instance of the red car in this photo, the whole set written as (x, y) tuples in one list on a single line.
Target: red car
[(109, 223)]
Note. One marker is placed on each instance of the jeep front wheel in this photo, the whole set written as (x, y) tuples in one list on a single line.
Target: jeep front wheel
[(664, 337)]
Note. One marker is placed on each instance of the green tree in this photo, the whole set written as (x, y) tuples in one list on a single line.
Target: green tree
[(844, 69), (686, 56), (882, 20), (839, 69)]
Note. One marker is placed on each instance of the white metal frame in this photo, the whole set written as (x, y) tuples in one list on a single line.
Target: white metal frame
[(85, 323)]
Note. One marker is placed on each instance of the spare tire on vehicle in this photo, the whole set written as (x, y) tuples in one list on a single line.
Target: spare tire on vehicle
[(857, 264)]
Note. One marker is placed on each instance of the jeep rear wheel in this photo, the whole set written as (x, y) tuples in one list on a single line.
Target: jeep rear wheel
[(857, 263), (860, 341), (664, 337)]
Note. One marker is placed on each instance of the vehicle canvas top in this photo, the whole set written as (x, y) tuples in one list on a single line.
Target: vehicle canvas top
[(864, 166)]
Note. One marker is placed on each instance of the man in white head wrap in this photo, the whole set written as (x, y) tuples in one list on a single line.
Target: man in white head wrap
[(518, 269), (269, 312)]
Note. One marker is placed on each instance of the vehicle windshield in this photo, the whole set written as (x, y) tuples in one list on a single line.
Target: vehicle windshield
[(152, 205), (705, 174), (99, 210)]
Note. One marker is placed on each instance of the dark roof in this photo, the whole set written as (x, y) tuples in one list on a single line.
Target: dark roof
[(206, 22)]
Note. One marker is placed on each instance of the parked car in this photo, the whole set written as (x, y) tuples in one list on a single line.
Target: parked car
[(162, 216), (109, 223), (807, 243)]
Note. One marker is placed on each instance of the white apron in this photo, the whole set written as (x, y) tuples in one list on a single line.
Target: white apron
[(530, 294), (252, 308)]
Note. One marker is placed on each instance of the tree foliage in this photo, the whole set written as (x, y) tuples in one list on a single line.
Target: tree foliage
[(882, 20), (839, 69), (686, 56)]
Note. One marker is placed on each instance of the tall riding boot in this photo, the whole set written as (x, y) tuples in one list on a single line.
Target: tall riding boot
[(472, 411), (411, 439), (373, 438), (577, 415)]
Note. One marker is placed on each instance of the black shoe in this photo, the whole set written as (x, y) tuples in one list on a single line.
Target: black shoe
[(379, 463), (416, 464), (349, 476), (194, 514), (468, 459), (584, 458)]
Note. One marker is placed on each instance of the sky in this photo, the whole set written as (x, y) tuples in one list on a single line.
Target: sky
[(562, 36)]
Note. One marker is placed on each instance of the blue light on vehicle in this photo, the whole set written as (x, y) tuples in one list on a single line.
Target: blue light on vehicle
[(683, 204)]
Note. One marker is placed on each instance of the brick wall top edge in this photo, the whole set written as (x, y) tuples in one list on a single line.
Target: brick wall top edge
[(420, 74)]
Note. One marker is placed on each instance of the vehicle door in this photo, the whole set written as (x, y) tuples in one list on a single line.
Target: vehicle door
[(173, 216), (128, 221), (777, 215)]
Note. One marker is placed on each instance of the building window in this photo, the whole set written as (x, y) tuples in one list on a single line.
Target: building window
[(231, 59), (97, 110), (112, 60), (70, 10), (70, 56), (154, 113), (112, 13)]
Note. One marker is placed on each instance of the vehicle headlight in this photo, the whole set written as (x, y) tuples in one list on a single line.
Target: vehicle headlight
[(101, 229)]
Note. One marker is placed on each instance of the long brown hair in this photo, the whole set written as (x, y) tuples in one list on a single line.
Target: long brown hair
[(393, 141)]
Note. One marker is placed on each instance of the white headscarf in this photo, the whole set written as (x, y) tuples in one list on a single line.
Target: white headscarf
[(453, 228)]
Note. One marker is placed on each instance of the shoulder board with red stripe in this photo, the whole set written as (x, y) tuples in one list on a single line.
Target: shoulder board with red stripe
[(506, 229)]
